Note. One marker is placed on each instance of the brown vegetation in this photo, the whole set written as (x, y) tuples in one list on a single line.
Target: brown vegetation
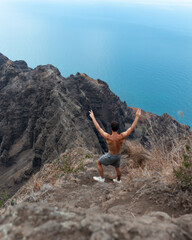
[(159, 161)]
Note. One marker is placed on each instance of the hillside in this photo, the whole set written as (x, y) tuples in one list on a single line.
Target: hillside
[(42, 114), (62, 201)]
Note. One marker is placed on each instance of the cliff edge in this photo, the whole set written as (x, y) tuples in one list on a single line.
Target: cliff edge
[(42, 114)]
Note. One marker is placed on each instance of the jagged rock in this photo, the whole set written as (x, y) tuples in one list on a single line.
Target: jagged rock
[(42, 114)]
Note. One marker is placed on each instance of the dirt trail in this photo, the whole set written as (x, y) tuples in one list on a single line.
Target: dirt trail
[(135, 198)]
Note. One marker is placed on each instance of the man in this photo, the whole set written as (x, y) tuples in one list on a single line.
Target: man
[(114, 143)]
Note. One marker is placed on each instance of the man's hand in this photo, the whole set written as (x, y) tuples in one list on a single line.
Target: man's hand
[(129, 131), (103, 133), (138, 113), (91, 114)]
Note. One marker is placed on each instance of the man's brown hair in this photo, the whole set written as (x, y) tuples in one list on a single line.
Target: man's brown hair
[(114, 126)]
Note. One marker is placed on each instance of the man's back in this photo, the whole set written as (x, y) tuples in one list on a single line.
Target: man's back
[(114, 143)]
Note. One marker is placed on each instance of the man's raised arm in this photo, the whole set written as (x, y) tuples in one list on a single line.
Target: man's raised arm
[(103, 133), (129, 130)]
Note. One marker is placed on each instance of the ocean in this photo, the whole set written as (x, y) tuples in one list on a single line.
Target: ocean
[(143, 51)]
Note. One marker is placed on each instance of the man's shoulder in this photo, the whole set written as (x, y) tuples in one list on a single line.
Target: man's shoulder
[(122, 136), (108, 136)]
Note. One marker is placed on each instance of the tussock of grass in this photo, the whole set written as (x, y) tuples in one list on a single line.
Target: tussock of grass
[(136, 153), (161, 161)]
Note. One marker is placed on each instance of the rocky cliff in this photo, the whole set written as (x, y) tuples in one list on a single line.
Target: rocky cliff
[(42, 114)]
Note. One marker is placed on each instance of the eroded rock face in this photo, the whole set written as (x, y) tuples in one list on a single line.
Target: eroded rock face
[(42, 114)]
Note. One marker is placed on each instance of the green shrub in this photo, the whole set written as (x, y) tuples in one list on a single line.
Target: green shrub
[(88, 155), (3, 198), (184, 172), (66, 167), (143, 130)]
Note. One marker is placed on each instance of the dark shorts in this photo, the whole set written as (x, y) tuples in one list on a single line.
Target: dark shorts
[(109, 159)]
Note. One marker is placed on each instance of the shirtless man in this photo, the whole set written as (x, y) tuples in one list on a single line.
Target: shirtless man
[(114, 143)]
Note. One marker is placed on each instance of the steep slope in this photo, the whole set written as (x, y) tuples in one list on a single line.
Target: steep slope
[(62, 201), (42, 114)]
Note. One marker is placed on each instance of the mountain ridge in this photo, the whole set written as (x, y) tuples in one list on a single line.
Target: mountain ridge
[(42, 114)]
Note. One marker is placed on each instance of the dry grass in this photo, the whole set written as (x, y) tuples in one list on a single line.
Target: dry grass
[(160, 161), (68, 162), (136, 153), (71, 161)]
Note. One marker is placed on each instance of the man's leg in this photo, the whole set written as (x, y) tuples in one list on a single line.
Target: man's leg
[(118, 171), (100, 169)]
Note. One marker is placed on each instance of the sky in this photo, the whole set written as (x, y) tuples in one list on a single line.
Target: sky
[(151, 2)]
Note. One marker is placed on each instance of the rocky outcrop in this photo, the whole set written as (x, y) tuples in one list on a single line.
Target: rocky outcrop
[(42, 114), (62, 201), (43, 221)]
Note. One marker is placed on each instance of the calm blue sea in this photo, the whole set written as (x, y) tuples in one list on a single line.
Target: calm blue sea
[(144, 52)]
